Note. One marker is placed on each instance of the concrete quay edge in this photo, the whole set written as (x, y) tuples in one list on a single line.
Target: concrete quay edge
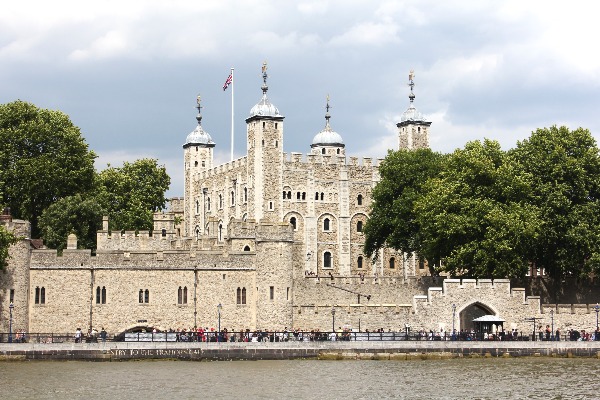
[(197, 351)]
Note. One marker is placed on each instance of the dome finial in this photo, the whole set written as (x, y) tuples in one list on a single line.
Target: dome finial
[(411, 83), (199, 107), (327, 116), (265, 76)]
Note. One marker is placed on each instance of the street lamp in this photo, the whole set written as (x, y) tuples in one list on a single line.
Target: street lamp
[(219, 307), (332, 319), (10, 308), (597, 309), (453, 318), (552, 322)]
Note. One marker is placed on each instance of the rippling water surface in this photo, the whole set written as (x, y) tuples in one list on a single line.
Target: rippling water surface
[(518, 378)]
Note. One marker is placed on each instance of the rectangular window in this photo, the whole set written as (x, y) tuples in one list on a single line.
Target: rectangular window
[(271, 292)]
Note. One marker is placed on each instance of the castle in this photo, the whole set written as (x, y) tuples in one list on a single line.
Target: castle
[(267, 241)]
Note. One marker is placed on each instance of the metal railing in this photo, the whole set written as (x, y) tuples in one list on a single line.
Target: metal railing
[(276, 336)]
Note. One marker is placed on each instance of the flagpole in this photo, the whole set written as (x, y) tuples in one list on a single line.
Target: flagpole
[(232, 126)]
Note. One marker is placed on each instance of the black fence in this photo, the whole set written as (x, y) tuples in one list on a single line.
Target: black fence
[(286, 336)]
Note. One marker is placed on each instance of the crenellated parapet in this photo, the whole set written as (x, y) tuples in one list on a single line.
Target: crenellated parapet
[(237, 164), (300, 160)]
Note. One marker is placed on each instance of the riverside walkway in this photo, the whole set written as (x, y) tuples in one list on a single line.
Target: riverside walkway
[(329, 350)]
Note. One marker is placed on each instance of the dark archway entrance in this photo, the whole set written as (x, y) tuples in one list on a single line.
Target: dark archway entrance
[(471, 312)]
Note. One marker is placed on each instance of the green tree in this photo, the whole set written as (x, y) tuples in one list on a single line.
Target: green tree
[(6, 240), (565, 189), (132, 193), (475, 216), (392, 221), (74, 214), (43, 158)]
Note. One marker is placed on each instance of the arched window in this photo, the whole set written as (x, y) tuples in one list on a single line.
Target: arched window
[(359, 262), (392, 263), (197, 207), (163, 232), (326, 224), (98, 295), (146, 296), (293, 222), (103, 294), (359, 226), (43, 295), (338, 151), (322, 196), (197, 232), (323, 150), (208, 203), (245, 195), (303, 195), (289, 194), (220, 201), (195, 163), (220, 232), (141, 296), (297, 195), (359, 200), (232, 198), (317, 196), (327, 260), (284, 195), (238, 297), (185, 295), (246, 248), (179, 295), (243, 295)]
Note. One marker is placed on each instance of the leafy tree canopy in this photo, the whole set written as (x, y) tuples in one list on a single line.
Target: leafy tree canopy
[(132, 193), (490, 213), (73, 214), (392, 221), (43, 158), (6, 240)]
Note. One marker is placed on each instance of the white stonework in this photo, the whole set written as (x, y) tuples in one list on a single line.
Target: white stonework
[(273, 238)]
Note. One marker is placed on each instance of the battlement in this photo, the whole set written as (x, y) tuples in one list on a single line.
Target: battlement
[(239, 163), (300, 159)]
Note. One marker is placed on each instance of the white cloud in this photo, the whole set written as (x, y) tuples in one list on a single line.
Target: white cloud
[(368, 33)]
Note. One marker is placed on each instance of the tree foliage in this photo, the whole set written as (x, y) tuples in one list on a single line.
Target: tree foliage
[(490, 213), (392, 221), (43, 158), (6, 240), (565, 169), (74, 214), (472, 216), (132, 193)]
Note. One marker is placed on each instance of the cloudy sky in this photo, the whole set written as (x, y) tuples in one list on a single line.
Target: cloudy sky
[(128, 72)]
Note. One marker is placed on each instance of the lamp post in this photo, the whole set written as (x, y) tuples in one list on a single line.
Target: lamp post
[(219, 307), (453, 319), (332, 319), (552, 322), (597, 309), (10, 308)]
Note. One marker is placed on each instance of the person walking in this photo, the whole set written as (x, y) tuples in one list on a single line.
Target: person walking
[(103, 335), (78, 335)]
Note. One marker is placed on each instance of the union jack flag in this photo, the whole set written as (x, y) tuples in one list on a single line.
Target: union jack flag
[(228, 82)]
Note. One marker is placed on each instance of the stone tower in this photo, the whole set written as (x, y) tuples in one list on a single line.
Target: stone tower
[(264, 129), (198, 157), (413, 128)]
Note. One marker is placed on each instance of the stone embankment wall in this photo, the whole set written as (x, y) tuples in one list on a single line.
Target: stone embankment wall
[(410, 350)]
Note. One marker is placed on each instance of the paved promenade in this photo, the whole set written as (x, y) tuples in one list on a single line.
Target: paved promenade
[(382, 350)]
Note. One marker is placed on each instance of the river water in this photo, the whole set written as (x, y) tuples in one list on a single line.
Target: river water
[(516, 378)]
